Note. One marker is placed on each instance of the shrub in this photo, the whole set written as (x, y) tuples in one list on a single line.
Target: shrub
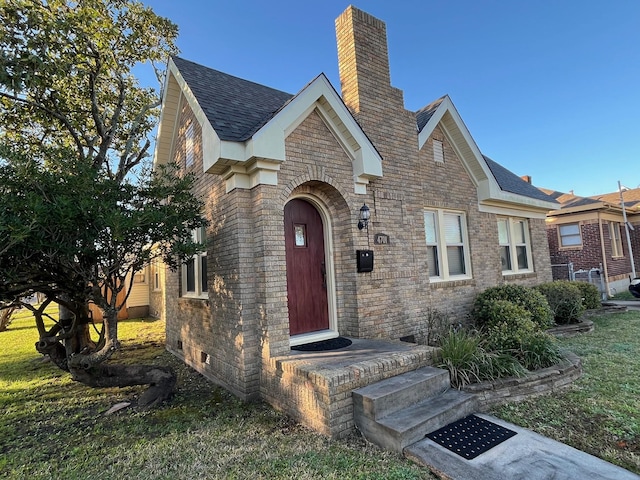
[(532, 300), (498, 311), (435, 325), (590, 294), (565, 300), (522, 339), (509, 335)]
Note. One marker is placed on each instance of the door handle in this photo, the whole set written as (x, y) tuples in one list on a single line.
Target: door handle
[(323, 272)]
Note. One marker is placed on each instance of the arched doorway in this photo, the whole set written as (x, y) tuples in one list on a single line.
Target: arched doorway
[(309, 271)]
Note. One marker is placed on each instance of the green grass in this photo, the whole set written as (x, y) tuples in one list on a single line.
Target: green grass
[(623, 295), (600, 412), (52, 427)]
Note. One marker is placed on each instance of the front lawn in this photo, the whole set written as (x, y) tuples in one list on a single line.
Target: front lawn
[(53, 428), (600, 412)]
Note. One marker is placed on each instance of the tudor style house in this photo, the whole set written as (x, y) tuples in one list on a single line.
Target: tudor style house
[(588, 233), (287, 179)]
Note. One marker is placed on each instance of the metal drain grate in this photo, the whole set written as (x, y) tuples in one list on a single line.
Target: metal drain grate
[(471, 436)]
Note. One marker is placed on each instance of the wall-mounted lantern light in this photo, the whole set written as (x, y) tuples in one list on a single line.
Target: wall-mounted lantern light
[(363, 218)]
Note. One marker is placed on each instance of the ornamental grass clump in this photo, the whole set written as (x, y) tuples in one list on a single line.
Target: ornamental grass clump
[(462, 353), (539, 350)]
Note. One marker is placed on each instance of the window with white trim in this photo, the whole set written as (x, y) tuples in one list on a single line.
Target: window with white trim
[(616, 239), (515, 245), (155, 274), (189, 145), (570, 235), (194, 270), (447, 245)]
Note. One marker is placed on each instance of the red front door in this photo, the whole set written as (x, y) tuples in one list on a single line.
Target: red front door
[(306, 272)]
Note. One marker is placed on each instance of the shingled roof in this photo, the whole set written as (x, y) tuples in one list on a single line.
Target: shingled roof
[(569, 200), (236, 108), (631, 197), (424, 114), (510, 182)]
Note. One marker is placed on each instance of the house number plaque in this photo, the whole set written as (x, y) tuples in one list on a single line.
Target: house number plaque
[(381, 239)]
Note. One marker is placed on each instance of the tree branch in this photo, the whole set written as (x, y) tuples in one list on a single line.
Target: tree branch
[(55, 114)]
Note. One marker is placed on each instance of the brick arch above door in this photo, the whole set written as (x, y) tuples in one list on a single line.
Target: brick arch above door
[(338, 216)]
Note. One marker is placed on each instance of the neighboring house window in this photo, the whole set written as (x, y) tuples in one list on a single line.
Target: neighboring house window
[(515, 245), (616, 240), (189, 141), (194, 270), (438, 151), (570, 235), (140, 277), (155, 274), (447, 245)]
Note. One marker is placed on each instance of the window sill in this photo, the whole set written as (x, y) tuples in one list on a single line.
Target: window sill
[(517, 275), (187, 296), (451, 282)]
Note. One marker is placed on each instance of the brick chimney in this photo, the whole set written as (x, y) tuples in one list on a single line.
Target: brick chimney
[(363, 62)]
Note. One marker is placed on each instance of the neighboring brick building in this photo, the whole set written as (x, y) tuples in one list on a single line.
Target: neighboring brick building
[(284, 178), (588, 233)]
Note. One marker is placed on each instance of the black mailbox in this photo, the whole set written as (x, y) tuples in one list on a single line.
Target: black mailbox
[(365, 260)]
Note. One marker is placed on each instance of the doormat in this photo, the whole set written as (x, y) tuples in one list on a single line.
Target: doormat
[(471, 436), (331, 344)]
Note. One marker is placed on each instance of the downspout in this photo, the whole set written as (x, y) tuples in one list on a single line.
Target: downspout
[(626, 229), (604, 256)]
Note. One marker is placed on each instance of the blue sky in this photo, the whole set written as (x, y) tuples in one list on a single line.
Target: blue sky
[(547, 88)]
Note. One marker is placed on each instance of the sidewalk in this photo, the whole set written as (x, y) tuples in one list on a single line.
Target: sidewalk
[(630, 304), (525, 456)]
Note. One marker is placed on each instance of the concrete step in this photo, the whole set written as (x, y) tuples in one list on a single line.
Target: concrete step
[(387, 396), (409, 425)]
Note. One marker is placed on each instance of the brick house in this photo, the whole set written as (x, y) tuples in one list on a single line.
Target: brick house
[(285, 178), (589, 233)]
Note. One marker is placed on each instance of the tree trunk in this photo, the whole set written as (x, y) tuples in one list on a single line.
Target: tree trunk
[(5, 317), (161, 380), (87, 362)]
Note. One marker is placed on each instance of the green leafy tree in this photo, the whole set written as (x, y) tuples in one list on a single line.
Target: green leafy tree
[(80, 208)]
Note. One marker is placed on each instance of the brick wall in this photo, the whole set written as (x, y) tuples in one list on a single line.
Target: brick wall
[(590, 254), (233, 336), (218, 336)]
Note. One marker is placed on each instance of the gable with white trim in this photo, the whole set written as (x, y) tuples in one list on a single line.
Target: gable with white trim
[(257, 160), (491, 197)]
